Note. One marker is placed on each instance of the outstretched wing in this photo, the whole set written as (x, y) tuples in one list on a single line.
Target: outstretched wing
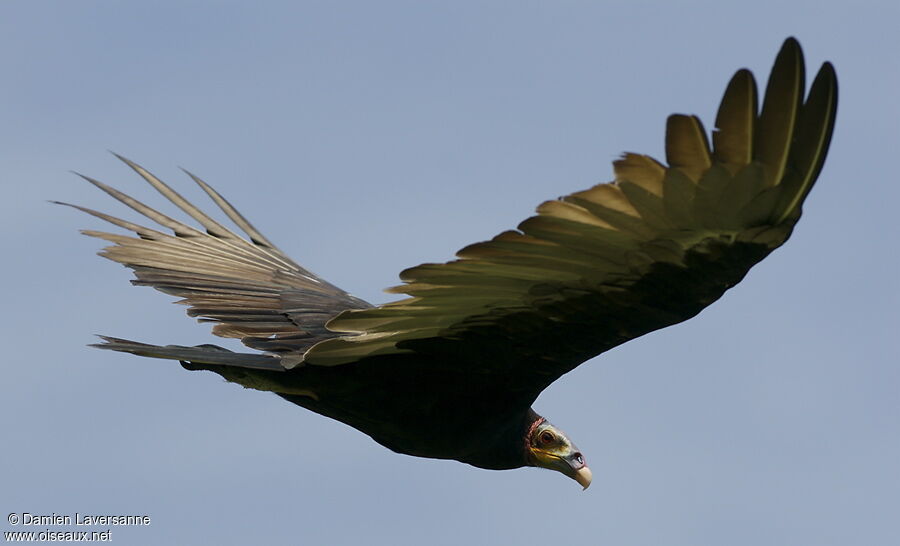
[(599, 267), (249, 288)]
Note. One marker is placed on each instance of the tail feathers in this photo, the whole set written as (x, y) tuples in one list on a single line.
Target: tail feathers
[(203, 354)]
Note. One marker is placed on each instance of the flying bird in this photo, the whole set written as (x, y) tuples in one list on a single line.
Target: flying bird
[(451, 370)]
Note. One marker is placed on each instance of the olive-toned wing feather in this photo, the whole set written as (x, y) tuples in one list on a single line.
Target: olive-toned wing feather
[(249, 288), (600, 267)]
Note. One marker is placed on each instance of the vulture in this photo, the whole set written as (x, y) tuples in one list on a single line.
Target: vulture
[(450, 371)]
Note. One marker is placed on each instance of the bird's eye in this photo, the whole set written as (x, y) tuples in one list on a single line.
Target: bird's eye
[(547, 437), (578, 458)]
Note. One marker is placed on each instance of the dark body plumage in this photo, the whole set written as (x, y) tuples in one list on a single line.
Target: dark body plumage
[(451, 371), (481, 418)]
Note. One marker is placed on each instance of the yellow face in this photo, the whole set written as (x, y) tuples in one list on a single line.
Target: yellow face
[(549, 448)]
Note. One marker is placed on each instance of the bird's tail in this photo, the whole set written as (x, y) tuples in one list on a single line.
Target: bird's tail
[(202, 354), (253, 371)]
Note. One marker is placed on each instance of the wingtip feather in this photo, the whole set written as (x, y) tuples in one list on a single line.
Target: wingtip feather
[(735, 121), (781, 106), (686, 145)]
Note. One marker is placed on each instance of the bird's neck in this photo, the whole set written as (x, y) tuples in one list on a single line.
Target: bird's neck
[(506, 448)]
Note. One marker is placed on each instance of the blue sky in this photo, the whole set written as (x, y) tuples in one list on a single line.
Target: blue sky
[(367, 137)]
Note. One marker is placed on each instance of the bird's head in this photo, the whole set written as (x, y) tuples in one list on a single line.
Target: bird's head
[(548, 447)]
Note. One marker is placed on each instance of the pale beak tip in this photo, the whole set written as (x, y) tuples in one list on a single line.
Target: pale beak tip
[(583, 477)]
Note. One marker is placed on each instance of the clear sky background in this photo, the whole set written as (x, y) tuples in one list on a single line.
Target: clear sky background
[(371, 136)]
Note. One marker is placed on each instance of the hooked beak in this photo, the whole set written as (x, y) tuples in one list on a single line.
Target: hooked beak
[(569, 463)]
